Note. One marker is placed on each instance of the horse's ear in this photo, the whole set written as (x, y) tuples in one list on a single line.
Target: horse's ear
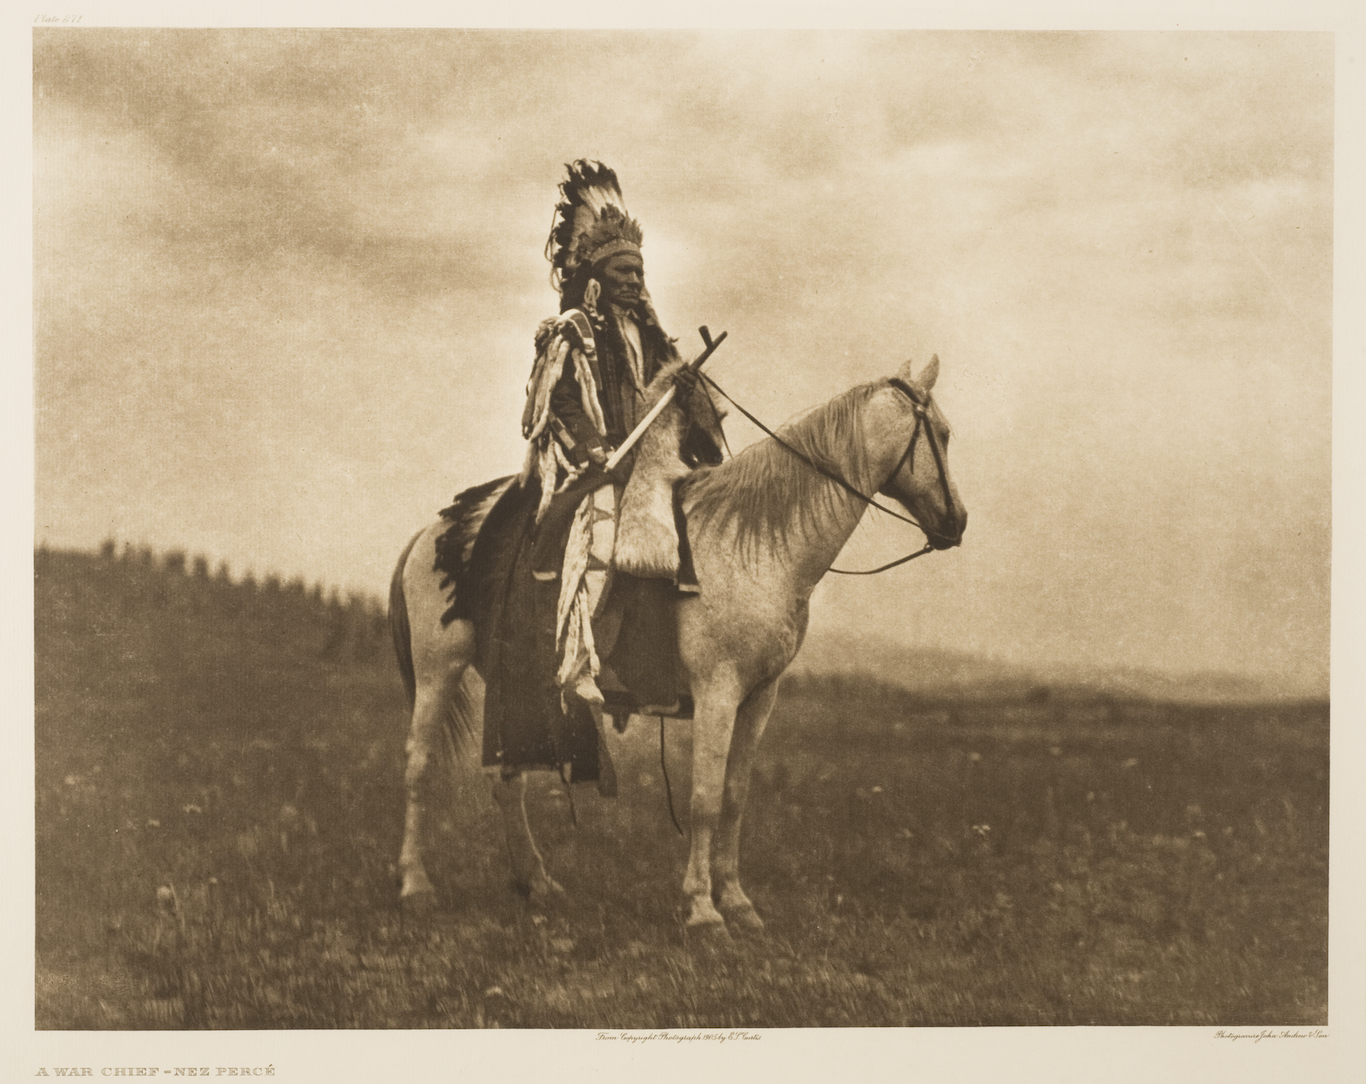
[(927, 377), (930, 375)]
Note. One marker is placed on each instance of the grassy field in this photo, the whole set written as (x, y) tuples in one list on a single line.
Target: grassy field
[(219, 808)]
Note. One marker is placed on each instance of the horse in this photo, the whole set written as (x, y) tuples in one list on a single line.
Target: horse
[(764, 527)]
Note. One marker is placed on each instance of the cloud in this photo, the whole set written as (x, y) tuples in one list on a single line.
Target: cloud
[(302, 269), (264, 142)]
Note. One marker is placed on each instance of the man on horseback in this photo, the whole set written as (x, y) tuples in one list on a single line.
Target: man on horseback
[(484, 591), (595, 360), (589, 558)]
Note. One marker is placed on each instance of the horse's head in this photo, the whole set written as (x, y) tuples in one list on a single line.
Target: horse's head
[(914, 450)]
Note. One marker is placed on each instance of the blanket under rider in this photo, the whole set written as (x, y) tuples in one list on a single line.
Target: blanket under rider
[(526, 724)]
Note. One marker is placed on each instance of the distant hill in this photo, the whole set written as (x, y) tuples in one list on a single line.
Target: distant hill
[(123, 592), (355, 628), (940, 672)]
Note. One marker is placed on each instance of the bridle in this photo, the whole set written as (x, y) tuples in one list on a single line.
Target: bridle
[(922, 409), (922, 412)]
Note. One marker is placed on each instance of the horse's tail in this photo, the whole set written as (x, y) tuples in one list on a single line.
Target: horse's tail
[(464, 714), (398, 624)]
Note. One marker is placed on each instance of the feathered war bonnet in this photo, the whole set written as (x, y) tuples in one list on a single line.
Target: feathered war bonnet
[(591, 225)]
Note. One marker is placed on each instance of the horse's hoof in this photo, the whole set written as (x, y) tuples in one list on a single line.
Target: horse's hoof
[(542, 892), (708, 936), (744, 919), (547, 893), (417, 904)]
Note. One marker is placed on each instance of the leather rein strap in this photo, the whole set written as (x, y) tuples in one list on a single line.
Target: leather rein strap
[(921, 409)]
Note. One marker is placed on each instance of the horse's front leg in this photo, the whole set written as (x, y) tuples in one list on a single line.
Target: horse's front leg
[(749, 728), (713, 723), (529, 875)]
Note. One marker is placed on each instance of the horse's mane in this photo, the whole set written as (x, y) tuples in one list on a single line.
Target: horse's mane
[(767, 493)]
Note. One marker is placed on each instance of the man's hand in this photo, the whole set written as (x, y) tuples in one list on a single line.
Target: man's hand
[(597, 456), (685, 380)]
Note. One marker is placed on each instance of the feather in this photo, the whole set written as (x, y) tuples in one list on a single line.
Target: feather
[(591, 213)]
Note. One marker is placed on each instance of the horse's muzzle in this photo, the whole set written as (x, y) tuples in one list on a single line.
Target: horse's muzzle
[(947, 542)]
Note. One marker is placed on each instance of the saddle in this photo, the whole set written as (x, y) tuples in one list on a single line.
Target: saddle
[(616, 621), (536, 636), (574, 603)]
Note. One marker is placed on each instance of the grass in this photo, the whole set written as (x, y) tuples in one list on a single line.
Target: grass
[(219, 809)]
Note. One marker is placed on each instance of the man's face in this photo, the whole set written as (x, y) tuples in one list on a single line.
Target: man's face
[(623, 277)]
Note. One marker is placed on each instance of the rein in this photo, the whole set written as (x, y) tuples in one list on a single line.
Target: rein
[(908, 454)]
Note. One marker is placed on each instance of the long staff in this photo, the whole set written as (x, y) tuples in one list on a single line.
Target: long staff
[(664, 400), (554, 525)]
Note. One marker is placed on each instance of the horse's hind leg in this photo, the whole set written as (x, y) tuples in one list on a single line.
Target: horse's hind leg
[(529, 875), (437, 687), (750, 721), (434, 655)]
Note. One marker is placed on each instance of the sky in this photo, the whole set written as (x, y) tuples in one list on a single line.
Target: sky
[(286, 283)]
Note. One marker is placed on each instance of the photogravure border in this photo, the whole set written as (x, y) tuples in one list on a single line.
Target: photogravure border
[(1012, 1054)]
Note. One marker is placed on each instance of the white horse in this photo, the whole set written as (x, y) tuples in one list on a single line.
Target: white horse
[(764, 528)]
